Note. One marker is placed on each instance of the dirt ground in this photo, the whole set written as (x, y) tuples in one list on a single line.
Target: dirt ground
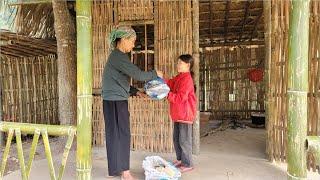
[(230, 154)]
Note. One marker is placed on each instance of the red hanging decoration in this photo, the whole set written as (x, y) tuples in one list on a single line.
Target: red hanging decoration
[(255, 75)]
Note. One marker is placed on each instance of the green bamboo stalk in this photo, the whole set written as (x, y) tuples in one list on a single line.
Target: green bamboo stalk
[(6, 153), (84, 88), (65, 154), (33, 151), (53, 130), (20, 154), (313, 147), (48, 154), (298, 89)]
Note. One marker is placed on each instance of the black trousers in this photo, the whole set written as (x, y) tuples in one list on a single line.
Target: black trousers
[(117, 130), (182, 140)]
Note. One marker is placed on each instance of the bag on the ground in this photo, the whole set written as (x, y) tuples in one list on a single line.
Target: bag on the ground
[(156, 168), (157, 88)]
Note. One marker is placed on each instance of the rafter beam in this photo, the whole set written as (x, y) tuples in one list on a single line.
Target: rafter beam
[(256, 25), (243, 43), (244, 19), (226, 20)]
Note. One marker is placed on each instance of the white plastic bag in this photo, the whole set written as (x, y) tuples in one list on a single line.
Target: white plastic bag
[(157, 89), (156, 168)]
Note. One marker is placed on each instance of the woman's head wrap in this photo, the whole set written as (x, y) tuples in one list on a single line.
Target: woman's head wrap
[(120, 32)]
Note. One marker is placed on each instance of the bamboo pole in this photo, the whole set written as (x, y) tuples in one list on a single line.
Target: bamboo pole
[(267, 26), (1, 86), (196, 56), (32, 151), (20, 154), (53, 130), (272, 100), (6, 153), (84, 89), (297, 89), (47, 149)]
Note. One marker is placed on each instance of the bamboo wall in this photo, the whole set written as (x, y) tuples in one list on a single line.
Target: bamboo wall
[(173, 33), (102, 23), (277, 131), (314, 76), (223, 74), (127, 10), (29, 89), (151, 127)]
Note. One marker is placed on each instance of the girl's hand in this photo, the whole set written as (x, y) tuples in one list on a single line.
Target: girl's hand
[(160, 74), (165, 76)]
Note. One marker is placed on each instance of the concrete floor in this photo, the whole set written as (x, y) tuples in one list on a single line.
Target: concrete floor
[(231, 154)]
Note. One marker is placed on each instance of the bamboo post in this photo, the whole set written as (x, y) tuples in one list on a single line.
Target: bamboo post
[(84, 89), (1, 133), (196, 56), (6, 153), (267, 32), (298, 89)]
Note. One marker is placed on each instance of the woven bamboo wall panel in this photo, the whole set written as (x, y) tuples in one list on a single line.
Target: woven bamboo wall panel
[(102, 20), (173, 33), (131, 10), (224, 73), (150, 124), (30, 89), (98, 126), (151, 127)]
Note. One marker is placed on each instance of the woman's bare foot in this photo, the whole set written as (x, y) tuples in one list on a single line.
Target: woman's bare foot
[(113, 177), (126, 175)]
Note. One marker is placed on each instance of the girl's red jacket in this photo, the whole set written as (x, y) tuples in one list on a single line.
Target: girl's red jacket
[(182, 98)]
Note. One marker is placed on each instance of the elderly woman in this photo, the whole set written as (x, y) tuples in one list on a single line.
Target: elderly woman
[(115, 92)]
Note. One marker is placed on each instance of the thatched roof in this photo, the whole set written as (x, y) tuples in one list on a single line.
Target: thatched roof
[(22, 46), (35, 20)]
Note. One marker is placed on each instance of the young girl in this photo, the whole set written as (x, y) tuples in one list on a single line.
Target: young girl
[(182, 100)]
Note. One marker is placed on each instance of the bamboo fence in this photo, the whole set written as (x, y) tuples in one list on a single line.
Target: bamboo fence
[(29, 89), (225, 87)]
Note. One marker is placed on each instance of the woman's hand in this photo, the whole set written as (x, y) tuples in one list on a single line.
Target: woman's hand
[(141, 94), (160, 74)]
